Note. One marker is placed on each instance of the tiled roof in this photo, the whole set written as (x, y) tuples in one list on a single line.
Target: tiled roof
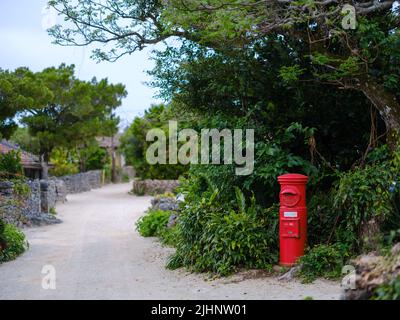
[(28, 160), (106, 142)]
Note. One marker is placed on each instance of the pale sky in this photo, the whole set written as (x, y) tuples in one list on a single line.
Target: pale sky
[(24, 42)]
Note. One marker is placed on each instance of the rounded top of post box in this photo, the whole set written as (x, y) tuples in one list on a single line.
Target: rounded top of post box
[(293, 178)]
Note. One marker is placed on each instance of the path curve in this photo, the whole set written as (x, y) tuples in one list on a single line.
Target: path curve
[(97, 254)]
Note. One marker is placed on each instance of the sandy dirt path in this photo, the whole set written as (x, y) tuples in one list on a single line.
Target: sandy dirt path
[(97, 254)]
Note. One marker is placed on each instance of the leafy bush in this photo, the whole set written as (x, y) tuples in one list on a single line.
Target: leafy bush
[(71, 161), (153, 223), (363, 194), (323, 261), (134, 145), (170, 236), (20, 187), (388, 291), (363, 201), (321, 219), (95, 157), (15, 242), (219, 238), (62, 163), (10, 165)]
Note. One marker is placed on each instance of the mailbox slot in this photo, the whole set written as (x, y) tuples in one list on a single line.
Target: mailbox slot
[(290, 197), (290, 228)]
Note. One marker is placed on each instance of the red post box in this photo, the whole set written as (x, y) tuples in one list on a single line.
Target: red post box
[(292, 218)]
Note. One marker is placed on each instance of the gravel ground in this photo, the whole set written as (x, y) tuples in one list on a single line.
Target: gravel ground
[(97, 254)]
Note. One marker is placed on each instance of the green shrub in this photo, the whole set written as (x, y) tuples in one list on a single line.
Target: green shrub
[(62, 164), (153, 223), (220, 239), (170, 236), (388, 291), (134, 145), (323, 261), (96, 157), (10, 165), (363, 195), (15, 243), (321, 218)]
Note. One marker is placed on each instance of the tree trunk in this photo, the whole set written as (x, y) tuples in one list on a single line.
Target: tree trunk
[(45, 167), (388, 107), (113, 164), (82, 164)]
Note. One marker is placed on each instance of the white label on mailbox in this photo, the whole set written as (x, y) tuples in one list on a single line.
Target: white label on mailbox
[(290, 214)]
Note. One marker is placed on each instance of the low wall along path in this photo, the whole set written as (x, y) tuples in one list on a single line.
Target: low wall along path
[(37, 205)]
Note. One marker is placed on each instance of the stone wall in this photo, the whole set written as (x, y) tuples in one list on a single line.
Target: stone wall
[(152, 187), (371, 271), (24, 209), (129, 171), (35, 207), (82, 182), (61, 190)]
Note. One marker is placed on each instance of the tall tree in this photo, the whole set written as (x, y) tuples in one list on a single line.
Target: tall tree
[(75, 113)]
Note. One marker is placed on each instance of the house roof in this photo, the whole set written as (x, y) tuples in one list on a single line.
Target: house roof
[(107, 142), (28, 160)]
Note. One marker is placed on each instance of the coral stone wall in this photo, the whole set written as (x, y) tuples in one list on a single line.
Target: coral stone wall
[(24, 209), (154, 186), (82, 182), (34, 207)]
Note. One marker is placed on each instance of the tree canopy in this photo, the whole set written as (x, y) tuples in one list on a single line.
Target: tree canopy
[(134, 144), (18, 91), (327, 47), (76, 111), (58, 109)]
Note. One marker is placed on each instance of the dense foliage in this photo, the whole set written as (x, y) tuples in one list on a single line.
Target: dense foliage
[(323, 261), (10, 165), (388, 291), (12, 242), (355, 49), (17, 92), (75, 115), (62, 164), (67, 161), (219, 236), (134, 145), (25, 140), (155, 224), (296, 130)]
